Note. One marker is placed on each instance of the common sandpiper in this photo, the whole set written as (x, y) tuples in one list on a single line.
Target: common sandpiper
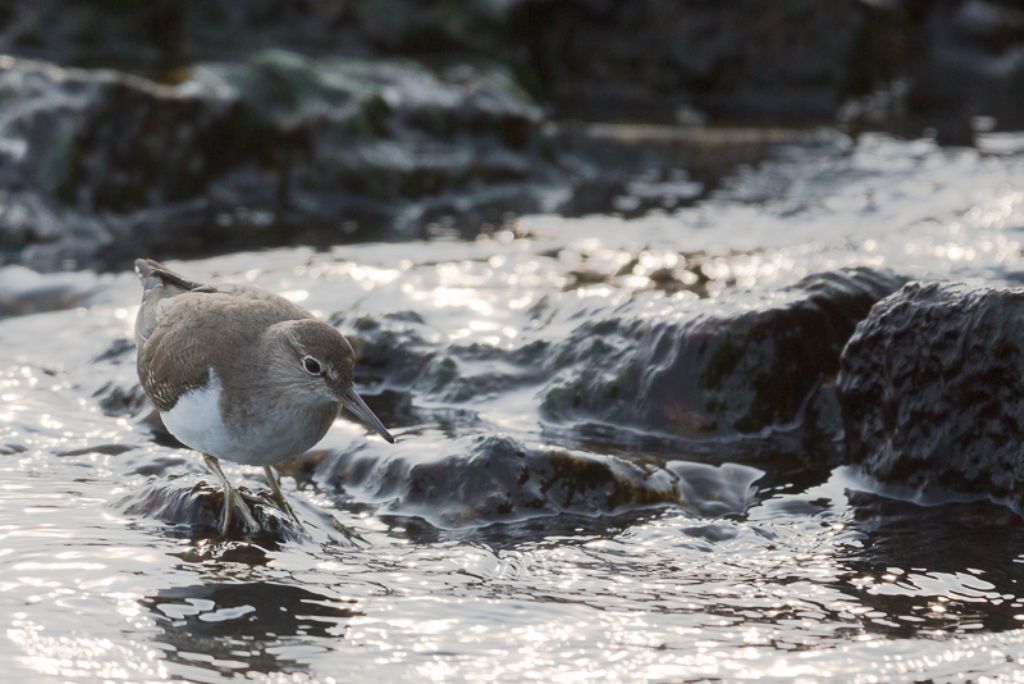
[(242, 374)]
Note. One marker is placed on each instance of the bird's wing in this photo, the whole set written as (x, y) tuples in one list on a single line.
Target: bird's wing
[(174, 356), (159, 284), (206, 328)]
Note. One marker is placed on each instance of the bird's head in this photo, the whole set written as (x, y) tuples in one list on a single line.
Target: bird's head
[(318, 361)]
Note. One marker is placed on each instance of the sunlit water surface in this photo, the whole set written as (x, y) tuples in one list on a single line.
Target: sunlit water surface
[(817, 578)]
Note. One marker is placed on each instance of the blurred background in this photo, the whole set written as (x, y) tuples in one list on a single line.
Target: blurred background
[(183, 129)]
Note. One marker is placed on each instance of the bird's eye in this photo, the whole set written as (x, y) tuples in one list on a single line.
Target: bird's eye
[(311, 365)]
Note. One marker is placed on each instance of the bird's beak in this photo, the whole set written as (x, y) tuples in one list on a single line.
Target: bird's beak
[(354, 403)]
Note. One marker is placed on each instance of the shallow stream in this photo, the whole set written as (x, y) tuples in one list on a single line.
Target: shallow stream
[(513, 532)]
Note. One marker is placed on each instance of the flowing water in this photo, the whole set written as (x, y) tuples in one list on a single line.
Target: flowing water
[(606, 554)]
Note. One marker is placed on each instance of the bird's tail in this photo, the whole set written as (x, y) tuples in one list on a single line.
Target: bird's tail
[(153, 273)]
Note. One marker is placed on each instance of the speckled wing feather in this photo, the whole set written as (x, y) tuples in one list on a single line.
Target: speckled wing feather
[(184, 329)]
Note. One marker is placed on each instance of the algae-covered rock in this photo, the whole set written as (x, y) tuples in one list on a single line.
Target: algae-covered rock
[(932, 391), (739, 370)]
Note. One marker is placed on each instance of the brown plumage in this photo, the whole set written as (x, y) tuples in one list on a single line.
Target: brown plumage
[(238, 372)]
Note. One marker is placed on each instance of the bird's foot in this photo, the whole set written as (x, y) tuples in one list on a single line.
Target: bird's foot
[(278, 496), (286, 508), (233, 500)]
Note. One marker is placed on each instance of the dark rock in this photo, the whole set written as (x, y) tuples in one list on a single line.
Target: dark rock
[(116, 400), (395, 355), (497, 479), (197, 507), (155, 424), (716, 374), (644, 58), (940, 65), (159, 36), (932, 391), (743, 60), (676, 62), (118, 351), (99, 166)]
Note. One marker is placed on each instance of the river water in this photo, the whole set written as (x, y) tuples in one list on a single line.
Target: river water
[(427, 560)]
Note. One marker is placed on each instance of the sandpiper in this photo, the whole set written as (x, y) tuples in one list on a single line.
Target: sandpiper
[(242, 374)]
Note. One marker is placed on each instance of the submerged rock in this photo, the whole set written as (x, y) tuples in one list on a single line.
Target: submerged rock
[(932, 391), (497, 479), (740, 371)]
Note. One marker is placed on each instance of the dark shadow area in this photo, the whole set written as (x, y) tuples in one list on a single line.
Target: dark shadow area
[(246, 627)]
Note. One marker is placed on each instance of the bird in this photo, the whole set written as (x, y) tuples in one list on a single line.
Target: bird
[(241, 374)]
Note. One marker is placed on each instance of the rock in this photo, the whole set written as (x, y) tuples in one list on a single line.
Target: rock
[(649, 59), (645, 60), (941, 65), (495, 478), (199, 507), (154, 36), (394, 354), (932, 393), (115, 400), (98, 166), (743, 371)]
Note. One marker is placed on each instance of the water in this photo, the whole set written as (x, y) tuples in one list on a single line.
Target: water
[(636, 559)]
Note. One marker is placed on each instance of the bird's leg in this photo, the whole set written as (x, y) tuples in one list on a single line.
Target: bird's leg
[(278, 495), (232, 499)]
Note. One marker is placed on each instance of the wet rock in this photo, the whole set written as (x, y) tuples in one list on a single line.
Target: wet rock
[(158, 36), (279, 148), (396, 355), (940, 65), (118, 352), (646, 60), (737, 60), (767, 366), (197, 507), (116, 400), (932, 393), (496, 478)]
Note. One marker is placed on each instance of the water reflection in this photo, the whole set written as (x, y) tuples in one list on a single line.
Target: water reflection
[(947, 568), (236, 629)]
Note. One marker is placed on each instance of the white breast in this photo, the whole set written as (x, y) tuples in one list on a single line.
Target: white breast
[(195, 420), (289, 429)]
